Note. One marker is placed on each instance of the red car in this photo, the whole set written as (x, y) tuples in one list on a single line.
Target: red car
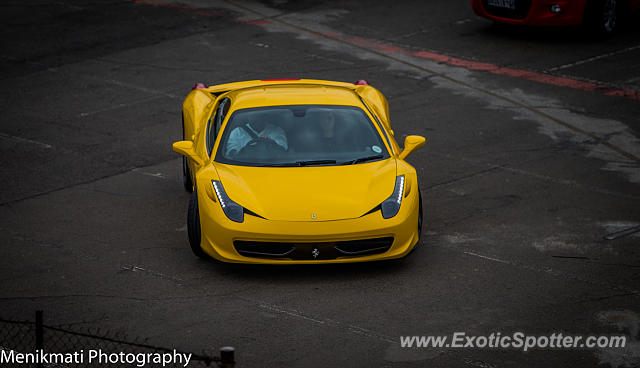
[(601, 15)]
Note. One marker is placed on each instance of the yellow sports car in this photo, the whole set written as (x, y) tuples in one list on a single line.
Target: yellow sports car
[(297, 171)]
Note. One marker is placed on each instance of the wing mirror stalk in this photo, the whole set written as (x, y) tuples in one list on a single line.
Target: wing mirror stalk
[(411, 144), (186, 149)]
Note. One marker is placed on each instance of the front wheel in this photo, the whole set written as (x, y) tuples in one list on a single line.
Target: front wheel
[(602, 16), (419, 215), (186, 177), (193, 227)]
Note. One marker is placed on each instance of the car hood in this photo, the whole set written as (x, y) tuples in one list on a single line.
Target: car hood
[(316, 193)]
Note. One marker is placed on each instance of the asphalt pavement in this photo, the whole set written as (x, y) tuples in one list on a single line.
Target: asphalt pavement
[(532, 158)]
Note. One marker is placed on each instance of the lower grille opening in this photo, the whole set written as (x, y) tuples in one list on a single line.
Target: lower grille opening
[(514, 9), (257, 249), (362, 247), (312, 251)]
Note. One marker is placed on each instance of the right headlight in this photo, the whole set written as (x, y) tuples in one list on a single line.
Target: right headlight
[(234, 211), (391, 205)]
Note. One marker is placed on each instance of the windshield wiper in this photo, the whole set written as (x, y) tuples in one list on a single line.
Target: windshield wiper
[(301, 163), (361, 159), (280, 164), (315, 162)]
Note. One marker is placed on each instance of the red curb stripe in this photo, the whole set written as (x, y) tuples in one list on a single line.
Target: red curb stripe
[(492, 68), (257, 21)]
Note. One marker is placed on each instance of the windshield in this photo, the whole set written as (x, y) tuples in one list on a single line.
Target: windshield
[(300, 136)]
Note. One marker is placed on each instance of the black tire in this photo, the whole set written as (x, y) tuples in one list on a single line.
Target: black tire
[(186, 177), (602, 17), (193, 227), (419, 215)]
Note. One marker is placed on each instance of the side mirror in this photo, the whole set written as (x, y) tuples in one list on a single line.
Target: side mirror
[(412, 143), (185, 148)]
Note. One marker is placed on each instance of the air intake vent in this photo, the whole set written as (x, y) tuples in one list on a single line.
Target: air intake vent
[(313, 251)]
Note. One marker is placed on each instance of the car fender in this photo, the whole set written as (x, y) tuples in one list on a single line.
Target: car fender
[(196, 106), (410, 175)]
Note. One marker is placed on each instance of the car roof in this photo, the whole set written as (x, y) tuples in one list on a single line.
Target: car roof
[(221, 88), (293, 94)]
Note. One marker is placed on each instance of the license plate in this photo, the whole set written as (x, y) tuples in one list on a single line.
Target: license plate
[(508, 4)]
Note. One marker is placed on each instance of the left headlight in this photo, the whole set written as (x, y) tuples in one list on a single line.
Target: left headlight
[(234, 211), (391, 205)]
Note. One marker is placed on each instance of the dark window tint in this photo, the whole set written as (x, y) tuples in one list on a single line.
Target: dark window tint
[(213, 126), (300, 135)]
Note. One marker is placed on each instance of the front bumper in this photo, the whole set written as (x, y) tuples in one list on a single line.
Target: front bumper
[(534, 12), (219, 233)]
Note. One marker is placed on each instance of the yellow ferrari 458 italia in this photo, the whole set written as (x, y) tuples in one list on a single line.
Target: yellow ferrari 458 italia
[(297, 171)]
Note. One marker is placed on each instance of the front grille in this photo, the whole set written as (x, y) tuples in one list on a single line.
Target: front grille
[(312, 251), (520, 12)]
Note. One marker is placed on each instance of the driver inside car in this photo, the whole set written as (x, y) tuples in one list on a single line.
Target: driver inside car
[(254, 132)]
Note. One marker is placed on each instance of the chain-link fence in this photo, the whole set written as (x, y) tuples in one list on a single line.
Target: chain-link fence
[(36, 344)]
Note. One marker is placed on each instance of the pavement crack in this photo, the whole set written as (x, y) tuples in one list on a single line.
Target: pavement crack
[(319, 320), (108, 296), (161, 275), (534, 175), (84, 182), (460, 178), (600, 298), (572, 257), (560, 274)]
